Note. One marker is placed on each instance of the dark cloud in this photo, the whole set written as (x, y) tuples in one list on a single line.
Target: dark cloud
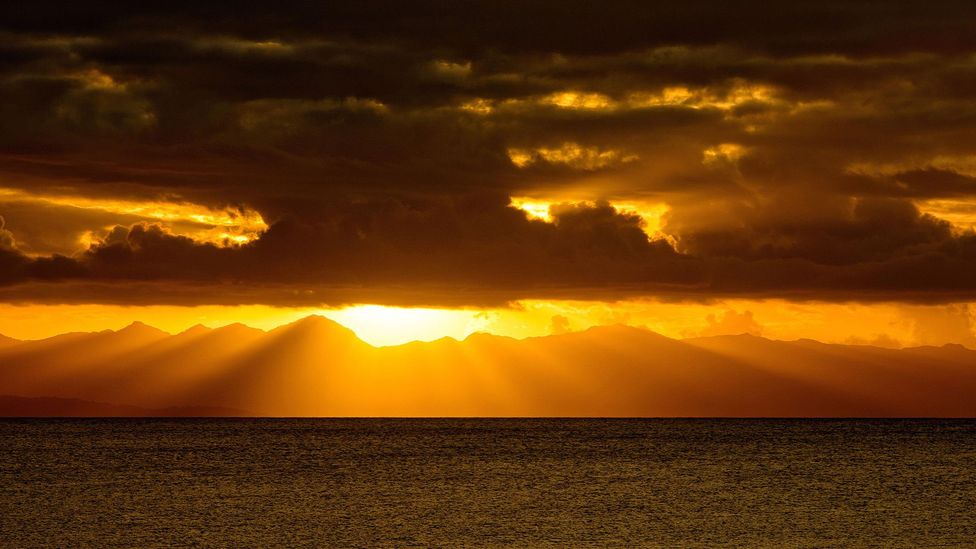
[(474, 242), (797, 148), (841, 232)]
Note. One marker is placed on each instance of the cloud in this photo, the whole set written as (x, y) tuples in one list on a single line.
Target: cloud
[(494, 252), (7, 241), (73, 221), (816, 152), (559, 324), (570, 154), (732, 323), (878, 340), (943, 324)]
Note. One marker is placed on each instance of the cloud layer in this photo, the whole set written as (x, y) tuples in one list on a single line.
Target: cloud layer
[(342, 153)]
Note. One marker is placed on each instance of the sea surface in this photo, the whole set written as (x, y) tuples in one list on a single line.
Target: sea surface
[(487, 483)]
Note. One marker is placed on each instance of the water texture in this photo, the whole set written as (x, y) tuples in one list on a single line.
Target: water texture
[(487, 483)]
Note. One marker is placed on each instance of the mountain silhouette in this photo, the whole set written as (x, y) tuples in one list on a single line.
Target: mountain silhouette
[(316, 367), (195, 331)]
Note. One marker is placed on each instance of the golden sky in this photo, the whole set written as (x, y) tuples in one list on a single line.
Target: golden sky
[(885, 325)]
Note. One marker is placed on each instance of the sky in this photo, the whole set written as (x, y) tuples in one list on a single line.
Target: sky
[(433, 169)]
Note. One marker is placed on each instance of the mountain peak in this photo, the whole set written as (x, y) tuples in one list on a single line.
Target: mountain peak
[(619, 330), (955, 346), (486, 337), (317, 326), (139, 328), (196, 330), (314, 320), (238, 329)]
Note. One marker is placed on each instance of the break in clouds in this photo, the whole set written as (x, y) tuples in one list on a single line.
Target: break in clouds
[(817, 151)]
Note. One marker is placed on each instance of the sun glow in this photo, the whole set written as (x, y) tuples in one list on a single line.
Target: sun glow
[(533, 208), (380, 325)]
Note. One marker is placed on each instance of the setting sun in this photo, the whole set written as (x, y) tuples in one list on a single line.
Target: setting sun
[(380, 326)]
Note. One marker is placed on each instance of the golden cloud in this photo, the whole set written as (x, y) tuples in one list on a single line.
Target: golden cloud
[(570, 154), (226, 227), (739, 93)]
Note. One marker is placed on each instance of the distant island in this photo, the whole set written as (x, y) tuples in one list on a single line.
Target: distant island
[(316, 367)]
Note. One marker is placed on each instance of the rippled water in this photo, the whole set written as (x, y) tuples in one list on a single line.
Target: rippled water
[(519, 483)]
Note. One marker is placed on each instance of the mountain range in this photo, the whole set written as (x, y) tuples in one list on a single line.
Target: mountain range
[(316, 367)]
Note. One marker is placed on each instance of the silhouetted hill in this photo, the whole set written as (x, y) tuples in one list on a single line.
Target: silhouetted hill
[(317, 367), (316, 326), (195, 331), (140, 330)]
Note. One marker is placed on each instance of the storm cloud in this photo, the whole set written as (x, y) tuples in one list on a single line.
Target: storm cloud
[(370, 152)]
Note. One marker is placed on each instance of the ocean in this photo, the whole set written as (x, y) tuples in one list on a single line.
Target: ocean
[(487, 483)]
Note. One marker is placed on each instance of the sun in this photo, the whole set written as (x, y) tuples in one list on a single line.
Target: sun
[(380, 326)]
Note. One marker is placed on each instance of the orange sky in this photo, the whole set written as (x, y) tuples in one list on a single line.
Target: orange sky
[(890, 325)]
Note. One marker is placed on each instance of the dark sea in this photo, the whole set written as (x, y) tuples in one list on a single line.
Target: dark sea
[(487, 483)]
